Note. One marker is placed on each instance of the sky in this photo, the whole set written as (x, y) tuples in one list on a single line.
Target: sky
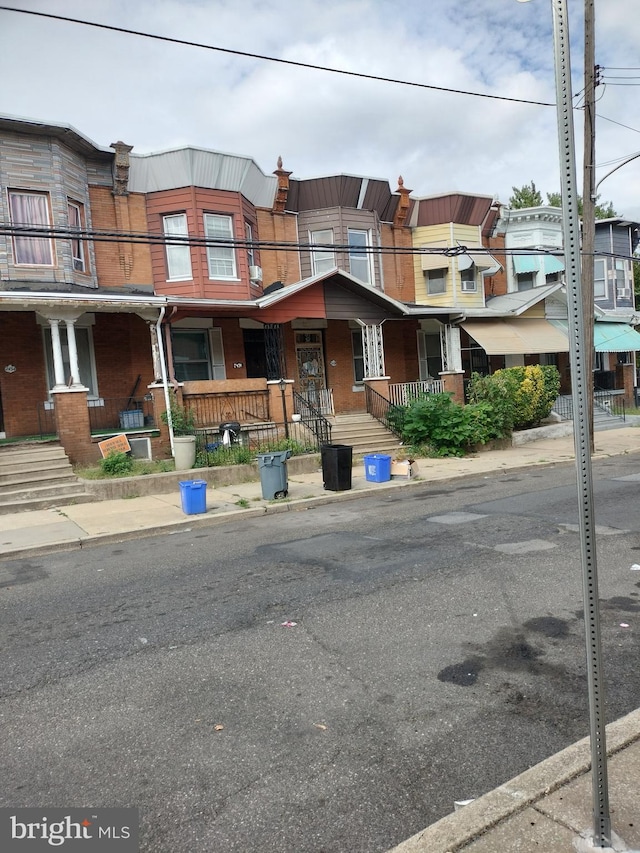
[(156, 95)]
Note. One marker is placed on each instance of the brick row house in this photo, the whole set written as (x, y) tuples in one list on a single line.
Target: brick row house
[(125, 277)]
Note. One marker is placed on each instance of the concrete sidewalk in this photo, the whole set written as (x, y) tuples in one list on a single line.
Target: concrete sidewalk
[(79, 525), (546, 808)]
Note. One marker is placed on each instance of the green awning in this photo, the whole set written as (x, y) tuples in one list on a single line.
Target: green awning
[(526, 263), (615, 337), (610, 337), (553, 264)]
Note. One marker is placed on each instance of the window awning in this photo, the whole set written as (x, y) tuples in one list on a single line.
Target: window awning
[(517, 337), (435, 260), (482, 259), (525, 263), (610, 337), (553, 264)]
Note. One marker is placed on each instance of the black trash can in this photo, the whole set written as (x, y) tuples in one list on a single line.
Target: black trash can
[(230, 433), (337, 462)]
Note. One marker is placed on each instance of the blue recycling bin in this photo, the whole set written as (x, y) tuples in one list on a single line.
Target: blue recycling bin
[(273, 474), (193, 494), (377, 468)]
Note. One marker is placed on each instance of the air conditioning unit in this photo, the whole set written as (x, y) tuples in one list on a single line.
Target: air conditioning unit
[(140, 447), (255, 273), (468, 286)]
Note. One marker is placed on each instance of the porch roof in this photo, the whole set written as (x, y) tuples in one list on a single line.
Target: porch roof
[(17, 300), (610, 337), (515, 303)]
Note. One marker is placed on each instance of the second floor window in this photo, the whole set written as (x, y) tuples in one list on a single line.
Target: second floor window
[(221, 259), (437, 281), (178, 257), (359, 257), (29, 208), (322, 260), (251, 255), (599, 278), (75, 213)]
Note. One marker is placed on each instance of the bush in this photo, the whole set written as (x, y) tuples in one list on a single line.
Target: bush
[(183, 420), (116, 464), (520, 396), (447, 427)]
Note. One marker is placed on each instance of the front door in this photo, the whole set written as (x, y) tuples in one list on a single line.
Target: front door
[(310, 364)]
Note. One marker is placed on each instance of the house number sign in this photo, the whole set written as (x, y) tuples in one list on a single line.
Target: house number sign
[(10, 368)]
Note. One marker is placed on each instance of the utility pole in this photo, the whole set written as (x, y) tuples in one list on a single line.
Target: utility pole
[(589, 204)]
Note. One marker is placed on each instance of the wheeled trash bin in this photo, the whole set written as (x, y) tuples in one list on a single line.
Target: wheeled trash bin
[(337, 463), (273, 474)]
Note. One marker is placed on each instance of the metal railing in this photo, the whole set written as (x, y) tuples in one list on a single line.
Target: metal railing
[(212, 409), (312, 419), (322, 400), (402, 393), (120, 414), (252, 439), (609, 402), (389, 414), (46, 419)]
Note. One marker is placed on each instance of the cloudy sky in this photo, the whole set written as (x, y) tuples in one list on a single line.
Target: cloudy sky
[(156, 95)]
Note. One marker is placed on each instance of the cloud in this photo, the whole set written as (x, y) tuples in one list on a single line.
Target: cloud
[(156, 95)]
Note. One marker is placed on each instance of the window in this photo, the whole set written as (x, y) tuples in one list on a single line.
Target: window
[(437, 281), (468, 279), (622, 288), (86, 361), (526, 281), (178, 257), (359, 259), (429, 355), (358, 356), (75, 213), (31, 209), (248, 234), (197, 354), (221, 259), (600, 278), (322, 260)]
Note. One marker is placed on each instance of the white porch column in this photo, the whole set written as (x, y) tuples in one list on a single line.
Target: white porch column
[(372, 350), (74, 366), (151, 319), (451, 351), (58, 361)]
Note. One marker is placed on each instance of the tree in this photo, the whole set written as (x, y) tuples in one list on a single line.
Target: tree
[(636, 282), (602, 211), (525, 196)]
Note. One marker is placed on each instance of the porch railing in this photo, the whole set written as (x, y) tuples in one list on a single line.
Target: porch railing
[(402, 393), (312, 419), (242, 406), (46, 420), (609, 402), (322, 400), (121, 414), (382, 410)]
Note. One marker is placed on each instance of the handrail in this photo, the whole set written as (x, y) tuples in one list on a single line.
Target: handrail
[(313, 419), (379, 407)]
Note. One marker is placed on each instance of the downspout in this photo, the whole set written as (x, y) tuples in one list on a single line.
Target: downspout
[(163, 368)]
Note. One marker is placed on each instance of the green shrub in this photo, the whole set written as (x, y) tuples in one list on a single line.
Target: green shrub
[(520, 396), (116, 464), (183, 419), (447, 427)]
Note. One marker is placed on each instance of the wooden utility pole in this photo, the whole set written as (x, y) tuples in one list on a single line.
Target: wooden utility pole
[(589, 203)]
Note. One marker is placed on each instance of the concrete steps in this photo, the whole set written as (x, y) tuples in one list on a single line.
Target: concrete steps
[(37, 475), (602, 417), (364, 434)]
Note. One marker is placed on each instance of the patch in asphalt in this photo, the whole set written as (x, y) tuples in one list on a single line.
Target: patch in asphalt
[(601, 530), (456, 517), (548, 626), (463, 674), (528, 547), (20, 572)]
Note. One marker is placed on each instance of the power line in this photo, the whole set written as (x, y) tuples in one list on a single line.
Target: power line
[(619, 123), (273, 58)]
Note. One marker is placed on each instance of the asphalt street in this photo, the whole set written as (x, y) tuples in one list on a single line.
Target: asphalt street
[(331, 679)]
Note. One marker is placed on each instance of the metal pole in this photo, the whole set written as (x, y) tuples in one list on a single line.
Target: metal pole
[(588, 200), (581, 425), (284, 409)]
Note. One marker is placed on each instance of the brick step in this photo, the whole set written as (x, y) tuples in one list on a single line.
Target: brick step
[(33, 503), (35, 467)]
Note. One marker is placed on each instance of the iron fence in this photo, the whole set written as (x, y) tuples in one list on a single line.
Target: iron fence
[(390, 415), (213, 449), (312, 419), (121, 414), (211, 410), (46, 420)]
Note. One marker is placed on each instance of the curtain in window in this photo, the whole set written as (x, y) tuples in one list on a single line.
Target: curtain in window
[(31, 209)]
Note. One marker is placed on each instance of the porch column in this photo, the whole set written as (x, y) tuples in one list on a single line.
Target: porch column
[(372, 350), (72, 425), (73, 353), (58, 362), (451, 350)]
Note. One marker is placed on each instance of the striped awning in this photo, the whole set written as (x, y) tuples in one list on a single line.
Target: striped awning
[(526, 263), (517, 337), (610, 337)]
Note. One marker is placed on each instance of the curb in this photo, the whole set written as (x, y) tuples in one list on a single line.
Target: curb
[(458, 829)]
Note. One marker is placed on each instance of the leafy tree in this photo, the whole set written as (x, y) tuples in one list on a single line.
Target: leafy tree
[(525, 196), (602, 211), (636, 282)]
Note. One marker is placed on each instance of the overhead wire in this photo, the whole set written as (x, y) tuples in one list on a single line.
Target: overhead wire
[(266, 58)]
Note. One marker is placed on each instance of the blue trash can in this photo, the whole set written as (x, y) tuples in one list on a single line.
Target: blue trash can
[(377, 468), (193, 494), (273, 474)]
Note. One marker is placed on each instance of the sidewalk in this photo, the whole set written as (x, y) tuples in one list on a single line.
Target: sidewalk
[(546, 808)]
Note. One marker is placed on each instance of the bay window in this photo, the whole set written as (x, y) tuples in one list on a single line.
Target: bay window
[(31, 209), (178, 256), (221, 259)]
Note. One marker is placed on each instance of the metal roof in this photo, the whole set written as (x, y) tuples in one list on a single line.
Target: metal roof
[(64, 132), (199, 167)]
